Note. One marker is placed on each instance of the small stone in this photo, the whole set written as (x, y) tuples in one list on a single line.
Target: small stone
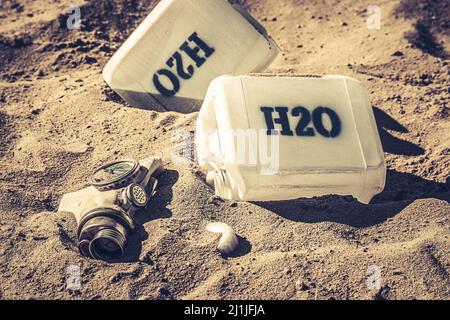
[(36, 111), (116, 278), (105, 48), (397, 54), (163, 292), (228, 241), (147, 259), (77, 148), (40, 238), (27, 41), (344, 24), (89, 60), (233, 205), (215, 200), (21, 236), (301, 286)]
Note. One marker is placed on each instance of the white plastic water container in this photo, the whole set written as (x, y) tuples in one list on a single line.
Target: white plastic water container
[(169, 61), (271, 138)]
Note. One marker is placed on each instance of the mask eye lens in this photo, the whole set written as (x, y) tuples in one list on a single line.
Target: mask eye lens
[(113, 174)]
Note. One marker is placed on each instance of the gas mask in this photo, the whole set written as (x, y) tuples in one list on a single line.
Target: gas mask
[(105, 210)]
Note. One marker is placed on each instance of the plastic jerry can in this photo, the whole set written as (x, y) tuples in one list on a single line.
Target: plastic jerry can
[(170, 59), (271, 138)]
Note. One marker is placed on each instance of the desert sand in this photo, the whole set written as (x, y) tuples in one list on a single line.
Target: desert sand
[(58, 121)]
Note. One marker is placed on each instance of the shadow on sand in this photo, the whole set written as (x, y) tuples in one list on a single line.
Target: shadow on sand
[(244, 248), (156, 209), (400, 191)]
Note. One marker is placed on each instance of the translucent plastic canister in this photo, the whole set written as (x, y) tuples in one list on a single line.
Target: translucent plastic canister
[(270, 138), (169, 61)]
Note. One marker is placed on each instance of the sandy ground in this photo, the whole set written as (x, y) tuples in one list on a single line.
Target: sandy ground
[(58, 120)]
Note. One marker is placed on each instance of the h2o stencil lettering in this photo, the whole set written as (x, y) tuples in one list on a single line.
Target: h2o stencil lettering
[(197, 50), (310, 123)]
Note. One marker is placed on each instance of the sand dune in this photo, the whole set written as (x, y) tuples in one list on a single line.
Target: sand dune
[(58, 120)]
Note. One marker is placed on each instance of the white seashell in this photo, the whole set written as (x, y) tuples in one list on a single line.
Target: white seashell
[(229, 241)]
